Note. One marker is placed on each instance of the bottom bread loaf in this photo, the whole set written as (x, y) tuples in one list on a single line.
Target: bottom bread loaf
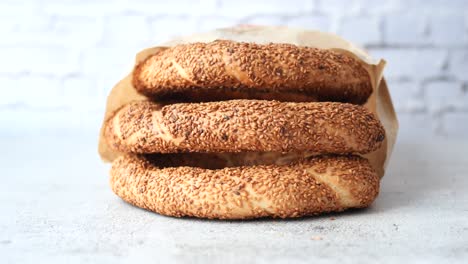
[(199, 185)]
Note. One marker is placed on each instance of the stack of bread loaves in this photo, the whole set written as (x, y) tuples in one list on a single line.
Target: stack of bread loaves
[(237, 130)]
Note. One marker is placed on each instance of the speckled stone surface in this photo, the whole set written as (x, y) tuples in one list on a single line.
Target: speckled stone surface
[(57, 207)]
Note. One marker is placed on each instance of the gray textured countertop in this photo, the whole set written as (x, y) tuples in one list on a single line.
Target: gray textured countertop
[(56, 207)]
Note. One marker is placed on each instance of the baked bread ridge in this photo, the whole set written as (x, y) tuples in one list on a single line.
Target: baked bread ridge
[(317, 185), (239, 70), (244, 125)]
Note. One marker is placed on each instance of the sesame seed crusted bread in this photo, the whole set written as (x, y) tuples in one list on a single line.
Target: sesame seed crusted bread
[(308, 187), (244, 125), (223, 70)]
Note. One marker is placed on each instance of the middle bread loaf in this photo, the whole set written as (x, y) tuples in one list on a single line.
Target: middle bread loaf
[(244, 125)]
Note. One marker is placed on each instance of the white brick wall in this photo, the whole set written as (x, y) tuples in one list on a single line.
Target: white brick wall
[(60, 58)]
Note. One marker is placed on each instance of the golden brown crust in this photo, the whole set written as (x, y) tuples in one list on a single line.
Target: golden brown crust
[(244, 125), (226, 70), (309, 187)]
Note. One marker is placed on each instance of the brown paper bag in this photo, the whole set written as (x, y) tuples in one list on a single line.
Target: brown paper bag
[(379, 102)]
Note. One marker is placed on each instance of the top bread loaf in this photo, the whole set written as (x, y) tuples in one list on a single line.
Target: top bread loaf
[(223, 70)]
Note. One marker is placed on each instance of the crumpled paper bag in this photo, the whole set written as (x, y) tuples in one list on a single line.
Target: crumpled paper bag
[(379, 102)]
